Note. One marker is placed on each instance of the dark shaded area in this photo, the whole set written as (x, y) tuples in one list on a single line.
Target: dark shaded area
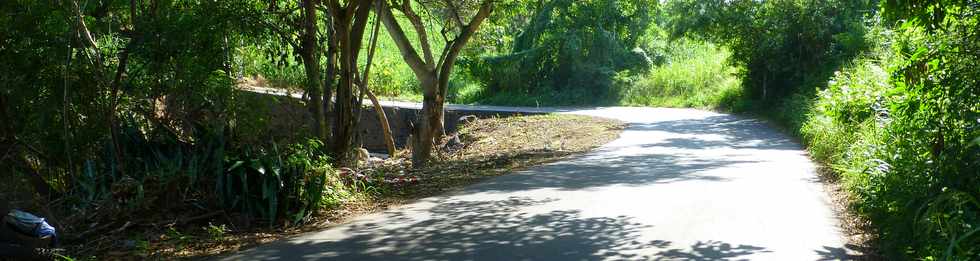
[(494, 230), (737, 133), (711, 250), (848, 252), (587, 173)]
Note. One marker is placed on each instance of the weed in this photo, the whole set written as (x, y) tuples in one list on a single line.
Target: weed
[(216, 233)]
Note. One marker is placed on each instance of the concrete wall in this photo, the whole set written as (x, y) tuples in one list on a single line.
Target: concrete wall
[(399, 118)]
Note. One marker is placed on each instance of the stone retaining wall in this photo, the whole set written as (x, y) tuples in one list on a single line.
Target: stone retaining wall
[(399, 119)]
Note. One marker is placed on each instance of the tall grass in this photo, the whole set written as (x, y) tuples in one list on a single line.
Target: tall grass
[(693, 74), (286, 73), (696, 74)]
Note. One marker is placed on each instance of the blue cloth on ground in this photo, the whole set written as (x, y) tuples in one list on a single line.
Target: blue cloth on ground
[(31, 225)]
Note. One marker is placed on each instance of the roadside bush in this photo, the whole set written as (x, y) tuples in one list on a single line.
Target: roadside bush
[(901, 127), (274, 185), (846, 108)]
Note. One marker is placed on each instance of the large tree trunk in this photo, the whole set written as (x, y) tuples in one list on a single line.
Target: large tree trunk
[(349, 25), (425, 134), (311, 62), (344, 111)]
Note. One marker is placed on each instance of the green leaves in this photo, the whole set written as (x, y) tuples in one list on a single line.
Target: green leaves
[(566, 44), (926, 204), (273, 186), (252, 186), (781, 44)]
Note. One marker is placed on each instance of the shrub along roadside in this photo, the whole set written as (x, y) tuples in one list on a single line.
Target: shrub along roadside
[(900, 124), (903, 141)]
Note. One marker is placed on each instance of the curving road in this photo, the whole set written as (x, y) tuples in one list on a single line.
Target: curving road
[(678, 184)]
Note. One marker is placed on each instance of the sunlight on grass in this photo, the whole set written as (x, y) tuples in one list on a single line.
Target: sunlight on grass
[(698, 76)]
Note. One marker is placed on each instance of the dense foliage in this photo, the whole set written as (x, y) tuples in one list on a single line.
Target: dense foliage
[(899, 124), (780, 45), (113, 108), (570, 46), (155, 80), (903, 127)]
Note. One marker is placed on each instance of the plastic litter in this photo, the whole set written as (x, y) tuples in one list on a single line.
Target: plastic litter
[(31, 225)]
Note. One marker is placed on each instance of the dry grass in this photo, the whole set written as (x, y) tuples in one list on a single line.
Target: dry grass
[(492, 147)]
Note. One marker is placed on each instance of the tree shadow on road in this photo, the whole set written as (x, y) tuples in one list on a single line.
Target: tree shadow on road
[(456, 229), (848, 252), (496, 230), (683, 158), (729, 132), (591, 172)]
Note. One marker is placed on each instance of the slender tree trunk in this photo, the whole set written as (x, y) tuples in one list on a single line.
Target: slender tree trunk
[(765, 82), (382, 117), (331, 74), (311, 63), (113, 105)]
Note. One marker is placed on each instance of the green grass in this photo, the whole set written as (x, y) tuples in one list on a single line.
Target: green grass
[(698, 75), (695, 74)]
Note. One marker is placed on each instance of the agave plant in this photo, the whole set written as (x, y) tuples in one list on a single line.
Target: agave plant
[(251, 185)]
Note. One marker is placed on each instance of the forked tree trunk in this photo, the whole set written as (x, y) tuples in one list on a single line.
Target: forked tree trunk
[(432, 74), (114, 85)]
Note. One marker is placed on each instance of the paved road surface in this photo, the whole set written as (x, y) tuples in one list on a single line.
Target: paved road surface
[(678, 184)]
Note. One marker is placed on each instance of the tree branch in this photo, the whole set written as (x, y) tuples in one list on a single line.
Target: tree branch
[(455, 12), (86, 35), (447, 62), (410, 55), (423, 35)]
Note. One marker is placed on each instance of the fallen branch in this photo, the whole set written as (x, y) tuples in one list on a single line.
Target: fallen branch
[(91, 231)]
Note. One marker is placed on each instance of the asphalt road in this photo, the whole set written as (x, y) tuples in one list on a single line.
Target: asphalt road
[(679, 184)]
